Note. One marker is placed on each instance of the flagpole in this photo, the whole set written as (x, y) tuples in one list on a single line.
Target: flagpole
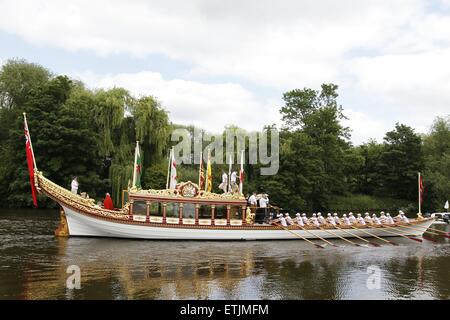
[(200, 169), (207, 170), (242, 172), (420, 208), (168, 168), (135, 163), (229, 176), (31, 144)]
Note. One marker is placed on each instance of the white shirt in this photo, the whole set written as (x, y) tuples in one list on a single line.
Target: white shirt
[(361, 221), (252, 200), (74, 186), (283, 221), (368, 219), (233, 177), (376, 220), (346, 221), (352, 219), (390, 220), (289, 220), (315, 221), (300, 222), (321, 219), (263, 202), (330, 220), (337, 220), (405, 219), (305, 220)]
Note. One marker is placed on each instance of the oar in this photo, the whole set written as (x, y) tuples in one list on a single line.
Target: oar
[(356, 236), (440, 231), (326, 241), (375, 236), (421, 230), (400, 235), (299, 236), (336, 235)]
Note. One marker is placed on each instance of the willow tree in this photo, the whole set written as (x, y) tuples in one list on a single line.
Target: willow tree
[(121, 120)]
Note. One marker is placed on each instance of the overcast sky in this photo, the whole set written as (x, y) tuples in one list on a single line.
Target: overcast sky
[(213, 63)]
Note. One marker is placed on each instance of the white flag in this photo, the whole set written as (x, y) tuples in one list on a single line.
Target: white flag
[(173, 172), (446, 205)]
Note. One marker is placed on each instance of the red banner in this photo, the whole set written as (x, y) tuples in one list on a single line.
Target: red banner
[(30, 162), (421, 190)]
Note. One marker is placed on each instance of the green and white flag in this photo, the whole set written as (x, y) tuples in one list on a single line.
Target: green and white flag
[(137, 168)]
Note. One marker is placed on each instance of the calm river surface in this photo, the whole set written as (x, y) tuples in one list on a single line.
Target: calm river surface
[(33, 265)]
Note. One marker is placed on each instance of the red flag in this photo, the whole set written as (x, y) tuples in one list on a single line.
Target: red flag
[(30, 162), (421, 189)]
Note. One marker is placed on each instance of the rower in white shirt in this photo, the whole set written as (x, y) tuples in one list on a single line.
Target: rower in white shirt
[(314, 220), (375, 219), (299, 220), (351, 218), (345, 220), (360, 220), (283, 221), (404, 218), (389, 219), (367, 218), (288, 219), (330, 219), (336, 218), (305, 218), (383, 218), (320, 218)]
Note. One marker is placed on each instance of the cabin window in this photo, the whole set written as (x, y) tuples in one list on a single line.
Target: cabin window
[(156, 209), (139, 208), (204, 212), (172, 210), (236, 212), (189, 210), (221, 212)]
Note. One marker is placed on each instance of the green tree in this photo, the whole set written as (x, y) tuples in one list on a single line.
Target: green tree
[(437, 165), (400, 162)]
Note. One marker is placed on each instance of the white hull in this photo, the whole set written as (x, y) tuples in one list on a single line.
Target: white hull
[(85, 225)]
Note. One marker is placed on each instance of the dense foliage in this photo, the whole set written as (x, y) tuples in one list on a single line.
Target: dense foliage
[(92, 134)]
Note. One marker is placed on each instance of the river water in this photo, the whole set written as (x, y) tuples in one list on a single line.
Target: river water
[(36, 265)]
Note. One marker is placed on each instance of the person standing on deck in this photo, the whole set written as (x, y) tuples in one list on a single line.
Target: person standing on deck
[(108, 203), (263, 202), (74, 185), (224, 184)]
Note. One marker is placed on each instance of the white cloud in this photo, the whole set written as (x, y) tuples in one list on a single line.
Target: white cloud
[(209, 106), (283, 43), (364, 127), (393, 54)]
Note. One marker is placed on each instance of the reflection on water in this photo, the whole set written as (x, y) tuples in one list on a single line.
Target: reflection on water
[(33, 265)]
